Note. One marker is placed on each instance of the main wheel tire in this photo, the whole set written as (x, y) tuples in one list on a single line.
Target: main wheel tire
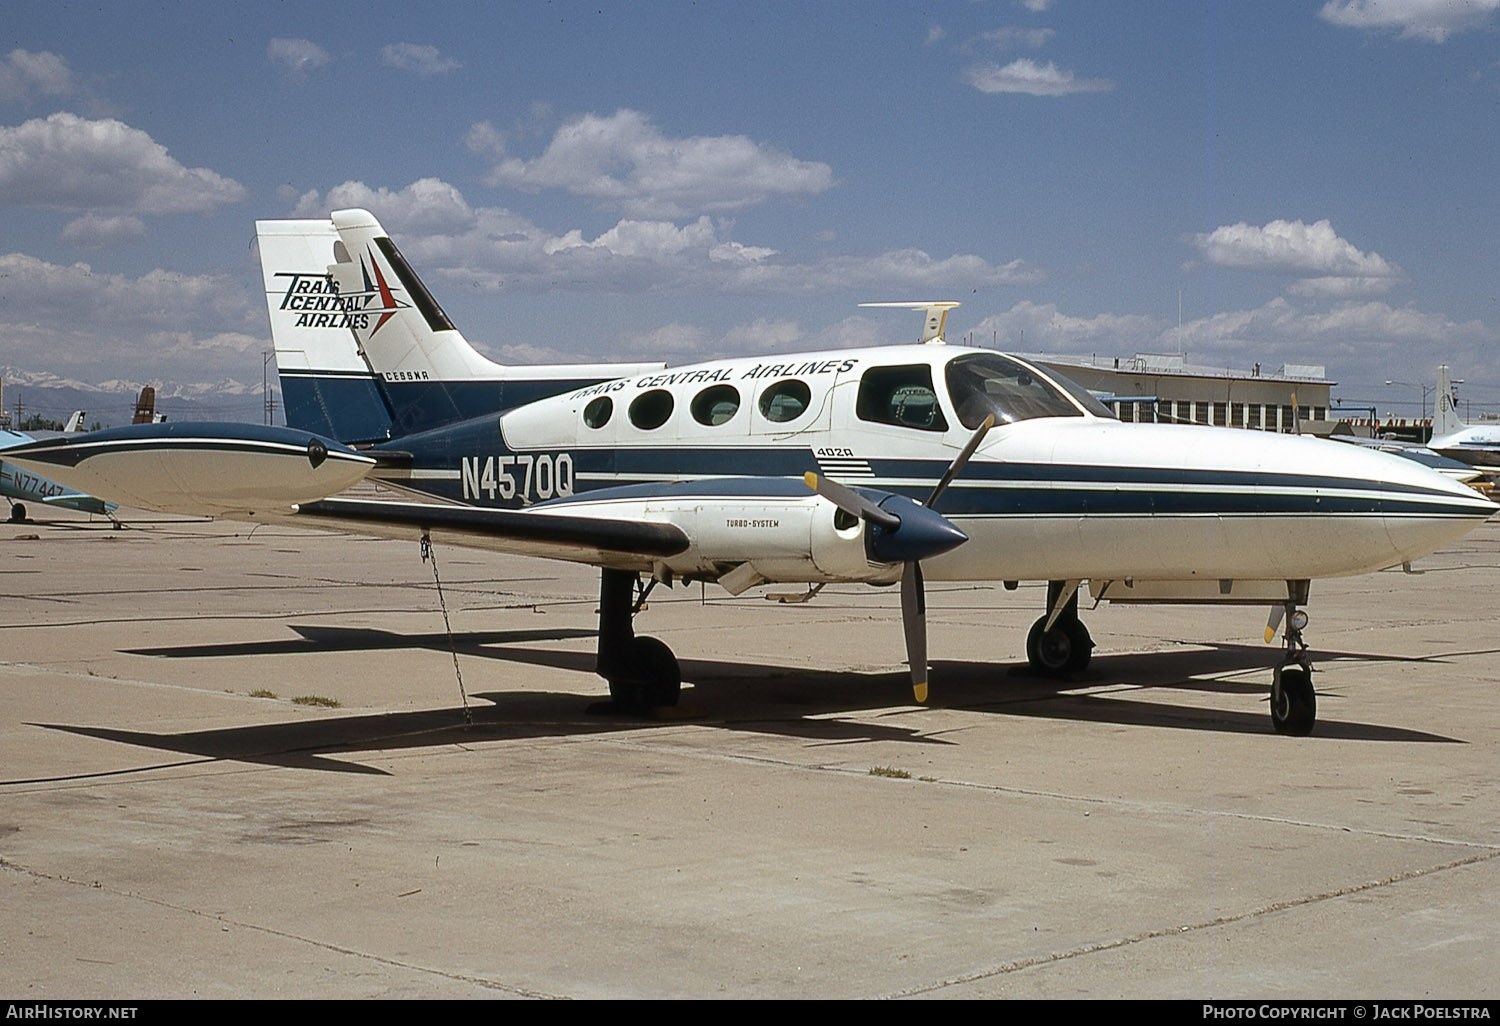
[(652, 680), (1294, 703), (18, 513), (1050, 652)]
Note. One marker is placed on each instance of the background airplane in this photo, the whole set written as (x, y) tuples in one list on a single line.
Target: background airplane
[(882, 466), (21, 486), (1475, 444)]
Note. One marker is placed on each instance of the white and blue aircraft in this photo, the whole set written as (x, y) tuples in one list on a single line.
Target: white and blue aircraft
[(1478, 445), (886, 465)]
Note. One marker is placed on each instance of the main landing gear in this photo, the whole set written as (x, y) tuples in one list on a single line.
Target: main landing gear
[(1065, 646), (1294, 704), (642, 672)]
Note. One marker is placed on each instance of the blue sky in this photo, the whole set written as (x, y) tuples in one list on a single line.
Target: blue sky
[(1245, 182)]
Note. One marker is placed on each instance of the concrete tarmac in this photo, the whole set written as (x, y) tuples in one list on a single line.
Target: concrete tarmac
[(236, 764)]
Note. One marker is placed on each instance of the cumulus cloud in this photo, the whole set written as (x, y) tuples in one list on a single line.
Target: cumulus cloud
[(95, 231), (1432, 21), (1044, 328), (624, 162), (426, 206), (24, 74), (1346, 336), (97, 324), (70, 163), (294, 58), (419, 60), (1032, 79), (1329, 265), (495, 249)]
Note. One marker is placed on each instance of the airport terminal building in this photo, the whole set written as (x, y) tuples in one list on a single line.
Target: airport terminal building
[(1154, 387)]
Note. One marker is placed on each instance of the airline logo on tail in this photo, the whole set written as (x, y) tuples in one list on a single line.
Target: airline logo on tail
[(378, 289), (319, 303)]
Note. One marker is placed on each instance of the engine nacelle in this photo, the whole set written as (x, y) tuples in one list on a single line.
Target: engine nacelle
[(783, 532)]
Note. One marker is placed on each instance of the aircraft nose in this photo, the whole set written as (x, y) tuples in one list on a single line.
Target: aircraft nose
[(922, 533), (1424, 510)]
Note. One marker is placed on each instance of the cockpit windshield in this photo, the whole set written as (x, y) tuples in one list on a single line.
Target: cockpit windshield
[(984, 383)]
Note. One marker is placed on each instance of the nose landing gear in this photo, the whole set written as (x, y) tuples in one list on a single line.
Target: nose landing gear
[(1294, 704)]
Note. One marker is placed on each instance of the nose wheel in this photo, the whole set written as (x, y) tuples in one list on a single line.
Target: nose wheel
[(1294, 703)]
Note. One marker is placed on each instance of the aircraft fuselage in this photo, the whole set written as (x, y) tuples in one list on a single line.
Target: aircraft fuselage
[(1057, 490)]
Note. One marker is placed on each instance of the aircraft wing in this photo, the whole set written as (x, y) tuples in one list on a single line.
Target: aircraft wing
[(600, 541)]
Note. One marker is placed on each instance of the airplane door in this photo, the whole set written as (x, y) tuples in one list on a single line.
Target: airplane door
[(793, 400)]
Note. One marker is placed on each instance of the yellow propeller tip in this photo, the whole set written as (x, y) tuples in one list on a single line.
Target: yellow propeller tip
[(1270, 635), (919, 691), (811, 479)]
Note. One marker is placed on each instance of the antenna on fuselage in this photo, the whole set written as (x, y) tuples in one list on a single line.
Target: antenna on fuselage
[(934, 317)]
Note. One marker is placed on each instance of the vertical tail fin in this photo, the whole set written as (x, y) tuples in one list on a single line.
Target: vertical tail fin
[(145, 406), (327, 386), (1445, 419), (417, 354), (428, 372)]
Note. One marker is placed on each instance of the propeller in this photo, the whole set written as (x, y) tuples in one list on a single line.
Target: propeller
[(905, 531)]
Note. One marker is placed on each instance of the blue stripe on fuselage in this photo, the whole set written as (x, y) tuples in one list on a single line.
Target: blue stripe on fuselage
[(985, 489)]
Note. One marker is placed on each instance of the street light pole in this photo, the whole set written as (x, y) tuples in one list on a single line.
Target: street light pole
[(1424, 389)]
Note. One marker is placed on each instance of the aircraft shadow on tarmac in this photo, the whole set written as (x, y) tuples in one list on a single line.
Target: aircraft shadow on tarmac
[(794, 702)]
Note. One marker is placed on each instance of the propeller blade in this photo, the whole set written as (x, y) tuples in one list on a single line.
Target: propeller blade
[(1277, 612), (914, 620), (850, 501), (959, 460)]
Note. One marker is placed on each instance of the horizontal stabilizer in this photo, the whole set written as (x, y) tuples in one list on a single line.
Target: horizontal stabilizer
[(205, 469)]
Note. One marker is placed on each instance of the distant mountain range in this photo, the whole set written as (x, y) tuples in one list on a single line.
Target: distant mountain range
[(112, 403)]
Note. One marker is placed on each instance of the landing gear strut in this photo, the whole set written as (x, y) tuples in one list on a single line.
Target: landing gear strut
[(1065, 647), (1294, 704), (642, 672)]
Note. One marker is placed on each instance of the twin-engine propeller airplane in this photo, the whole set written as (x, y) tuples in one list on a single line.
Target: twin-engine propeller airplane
[(883, 465)]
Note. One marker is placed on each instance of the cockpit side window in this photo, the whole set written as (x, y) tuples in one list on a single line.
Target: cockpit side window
[(902, 396), (985, 383)]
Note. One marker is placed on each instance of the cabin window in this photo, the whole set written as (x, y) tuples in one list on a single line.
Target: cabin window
[(900, 395), (785, 401), (650, 410), (716, 404), (597, 413)]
